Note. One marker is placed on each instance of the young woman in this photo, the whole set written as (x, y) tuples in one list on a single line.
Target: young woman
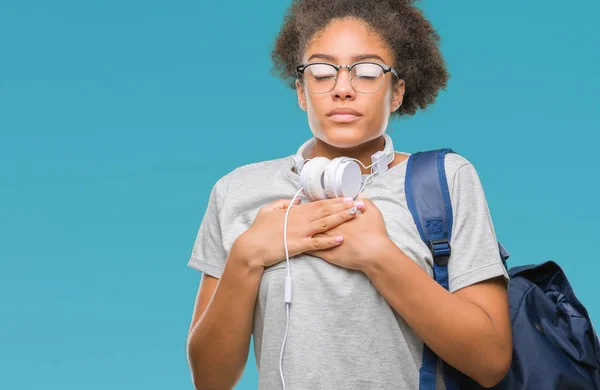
[(365, 302)]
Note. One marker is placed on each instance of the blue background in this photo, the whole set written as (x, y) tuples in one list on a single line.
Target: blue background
[(117, 117)]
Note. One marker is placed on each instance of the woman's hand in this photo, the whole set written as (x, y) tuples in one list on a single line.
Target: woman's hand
[(263, 241), (364, 237)]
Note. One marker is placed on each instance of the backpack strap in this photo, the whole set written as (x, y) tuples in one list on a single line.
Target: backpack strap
[(504, 255), (428, 199)]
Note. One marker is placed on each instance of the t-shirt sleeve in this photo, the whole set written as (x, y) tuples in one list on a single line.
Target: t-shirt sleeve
[(475, 256), (208, 254)]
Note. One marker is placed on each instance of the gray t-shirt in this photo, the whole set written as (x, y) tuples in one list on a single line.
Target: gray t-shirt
[(342, 332)]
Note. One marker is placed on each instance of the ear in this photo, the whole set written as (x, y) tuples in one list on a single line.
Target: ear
[(301, 94), (397, 95)]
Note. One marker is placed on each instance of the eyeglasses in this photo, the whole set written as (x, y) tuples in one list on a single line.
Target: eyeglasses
[(365, 77)]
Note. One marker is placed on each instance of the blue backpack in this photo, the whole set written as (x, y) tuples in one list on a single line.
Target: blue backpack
[(554, 343)]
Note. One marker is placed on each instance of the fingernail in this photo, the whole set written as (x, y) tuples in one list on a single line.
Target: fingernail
[(339, 238), (360, 195), (352, 211), (359, 204), (348, 199)]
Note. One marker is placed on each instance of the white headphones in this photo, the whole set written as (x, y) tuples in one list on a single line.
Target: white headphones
[(321, 178)]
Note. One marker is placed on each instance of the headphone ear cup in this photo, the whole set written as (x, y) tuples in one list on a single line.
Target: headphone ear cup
[(311, 178), (343, 178), (329, 177)]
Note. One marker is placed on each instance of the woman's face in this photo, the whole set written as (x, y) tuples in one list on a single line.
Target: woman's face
[(341, 43)]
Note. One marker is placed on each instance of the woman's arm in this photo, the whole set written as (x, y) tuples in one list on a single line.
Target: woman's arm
[(469, 329), (219, 337)]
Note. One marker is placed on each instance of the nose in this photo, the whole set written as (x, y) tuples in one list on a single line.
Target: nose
[(343, 88)]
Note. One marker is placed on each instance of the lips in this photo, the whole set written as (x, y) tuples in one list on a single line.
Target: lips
[(343, 115)]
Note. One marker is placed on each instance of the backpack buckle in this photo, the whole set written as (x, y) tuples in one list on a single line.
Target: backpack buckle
[(440, 249)]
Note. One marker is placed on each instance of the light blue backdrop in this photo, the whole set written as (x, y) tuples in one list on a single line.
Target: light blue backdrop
[(117, 117)]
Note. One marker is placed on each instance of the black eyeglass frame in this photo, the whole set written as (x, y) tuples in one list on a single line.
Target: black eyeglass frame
[(386, 69)]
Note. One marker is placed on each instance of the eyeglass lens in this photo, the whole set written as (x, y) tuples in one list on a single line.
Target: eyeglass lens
[(365, 78)]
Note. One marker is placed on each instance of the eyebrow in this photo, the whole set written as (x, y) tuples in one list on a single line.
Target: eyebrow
[(356, 58)]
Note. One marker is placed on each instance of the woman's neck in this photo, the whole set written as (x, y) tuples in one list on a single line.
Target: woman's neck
[(362, 152)]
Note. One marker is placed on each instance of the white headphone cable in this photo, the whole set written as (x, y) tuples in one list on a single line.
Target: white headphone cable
[(288, 279), (366, 181), (288, 284)]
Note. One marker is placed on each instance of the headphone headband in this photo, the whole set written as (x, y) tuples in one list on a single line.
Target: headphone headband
[(305, 149)]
